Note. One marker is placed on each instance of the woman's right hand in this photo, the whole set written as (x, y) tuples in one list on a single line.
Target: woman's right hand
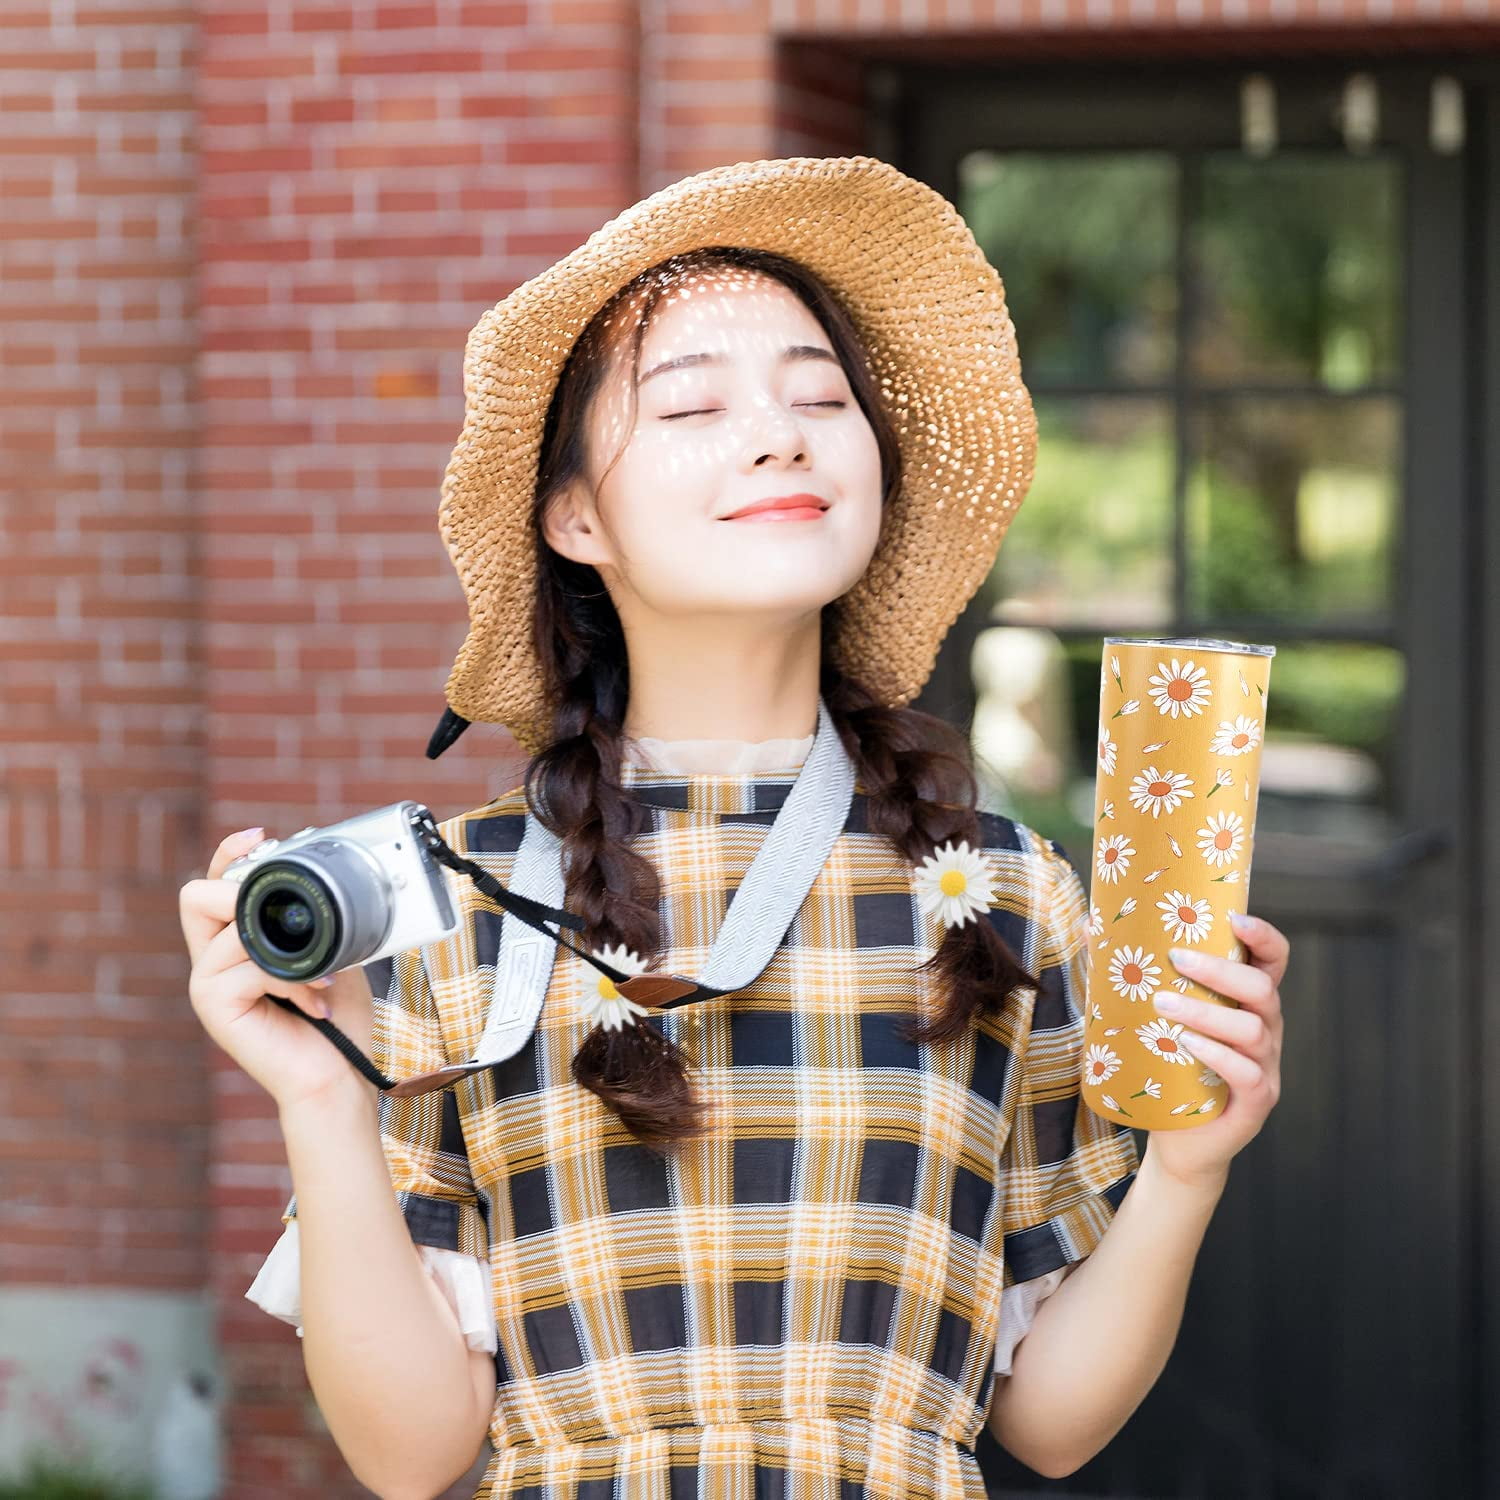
[(291, 1060)]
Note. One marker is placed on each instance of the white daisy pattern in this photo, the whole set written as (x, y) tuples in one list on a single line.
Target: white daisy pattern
[(1185, 919), (600, 1001), (1164, 1039), (1134, 973), (1237, 738), (1181, 690), (1221, 838), (1108, 748), (1157, 792), (1113, 857), (1101, 1065), (955, 884), (1182, 726)]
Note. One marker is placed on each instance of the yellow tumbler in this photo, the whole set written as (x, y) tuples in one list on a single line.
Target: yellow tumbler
[(1181, 726)]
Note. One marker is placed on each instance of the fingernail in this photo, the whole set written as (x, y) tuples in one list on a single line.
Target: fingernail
[(1240, 922), (1169, 1003), (327, 1010), (245, 833), (324, 982), (1182, 957)]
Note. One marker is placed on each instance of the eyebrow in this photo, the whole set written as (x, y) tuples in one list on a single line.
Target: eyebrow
[(794, 352)]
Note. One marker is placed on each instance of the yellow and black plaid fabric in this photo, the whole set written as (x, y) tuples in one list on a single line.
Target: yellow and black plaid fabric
[(804, 1301)]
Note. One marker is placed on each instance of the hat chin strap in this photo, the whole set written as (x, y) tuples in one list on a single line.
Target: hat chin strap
[(450, 726)]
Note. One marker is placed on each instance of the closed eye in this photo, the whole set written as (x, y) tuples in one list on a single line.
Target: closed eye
[(672, 416)]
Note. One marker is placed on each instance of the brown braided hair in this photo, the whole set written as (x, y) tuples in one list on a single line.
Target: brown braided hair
[(916, 768)]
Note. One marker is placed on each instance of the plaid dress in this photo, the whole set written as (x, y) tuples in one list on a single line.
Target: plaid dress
[(804, 1301)]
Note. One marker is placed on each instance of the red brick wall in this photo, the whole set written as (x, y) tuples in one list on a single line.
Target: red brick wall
[(223, 419), (103, 1095), (366, 192)]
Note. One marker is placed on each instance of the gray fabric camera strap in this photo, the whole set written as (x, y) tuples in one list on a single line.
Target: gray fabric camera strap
[(760, 912)]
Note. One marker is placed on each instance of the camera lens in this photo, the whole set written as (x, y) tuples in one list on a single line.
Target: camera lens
[(318, 909), (287, 921)]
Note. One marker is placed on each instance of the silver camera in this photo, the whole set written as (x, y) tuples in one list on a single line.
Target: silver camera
[(353, 892)]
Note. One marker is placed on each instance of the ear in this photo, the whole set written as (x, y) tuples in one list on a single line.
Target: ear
[(570, 525)]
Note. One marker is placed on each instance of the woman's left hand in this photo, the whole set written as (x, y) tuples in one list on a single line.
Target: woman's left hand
[(1242, 1045)]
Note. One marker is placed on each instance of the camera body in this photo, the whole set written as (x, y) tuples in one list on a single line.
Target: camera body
[(351, 893)]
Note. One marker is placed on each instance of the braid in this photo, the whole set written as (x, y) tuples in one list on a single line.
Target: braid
[(920, 794), (637, 1071)]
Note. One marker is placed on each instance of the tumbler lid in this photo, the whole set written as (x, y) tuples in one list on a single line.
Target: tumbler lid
[(1190, 643)]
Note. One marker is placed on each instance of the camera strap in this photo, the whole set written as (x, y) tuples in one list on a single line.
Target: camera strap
[(761, 910)]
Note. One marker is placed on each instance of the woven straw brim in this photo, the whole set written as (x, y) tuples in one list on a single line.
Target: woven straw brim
[(931, 312)]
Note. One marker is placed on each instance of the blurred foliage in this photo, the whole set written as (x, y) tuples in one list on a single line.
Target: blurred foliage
[(49, 1478), (1044, 219), (1298, 268)]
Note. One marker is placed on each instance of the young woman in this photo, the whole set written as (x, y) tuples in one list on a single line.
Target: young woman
[(728, 474)]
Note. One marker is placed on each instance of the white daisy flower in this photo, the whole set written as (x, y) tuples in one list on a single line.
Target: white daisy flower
[(1153, 876), (954, 884), (1109, 1102), (1238, 738), (1186, 920), (1244, 686), (1219, 839), (1177, 1109), (1182, 984), (1164, 1038), (1107, 751), (1156, 791), (1152, 749), (1128, 907), (600, 1001), (1101, 1065), (1152, 1087), (1133, 973), (1208, 1104), (1209, 1079), (1176, 847), (1130, 706), (1113, 857), (1113, 1030), (1114, 665), (1109, 810), (1181, 690), (1096, 921)]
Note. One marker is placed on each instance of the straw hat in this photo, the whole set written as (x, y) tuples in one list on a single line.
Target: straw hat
[(931, 312)]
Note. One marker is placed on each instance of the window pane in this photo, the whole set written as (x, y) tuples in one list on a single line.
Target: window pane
[(1092, 543), (1297, 269), (1292, 509), (1085, 247)]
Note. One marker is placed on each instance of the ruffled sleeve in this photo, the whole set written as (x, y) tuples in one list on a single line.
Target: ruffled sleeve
[(1018, 1305), (464, 1281)]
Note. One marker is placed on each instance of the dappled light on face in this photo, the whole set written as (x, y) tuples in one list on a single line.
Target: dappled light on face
[(723, 393)]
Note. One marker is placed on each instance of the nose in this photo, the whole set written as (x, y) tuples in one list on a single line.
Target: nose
[(776, 438)]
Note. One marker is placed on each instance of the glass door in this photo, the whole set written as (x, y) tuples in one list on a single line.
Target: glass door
[(1245, 312)]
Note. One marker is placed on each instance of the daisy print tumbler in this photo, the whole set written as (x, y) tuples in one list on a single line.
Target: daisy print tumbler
[(1181, 723)]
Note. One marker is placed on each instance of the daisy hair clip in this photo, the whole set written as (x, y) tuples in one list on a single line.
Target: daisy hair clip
[(601, 1002), (955, 884)]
